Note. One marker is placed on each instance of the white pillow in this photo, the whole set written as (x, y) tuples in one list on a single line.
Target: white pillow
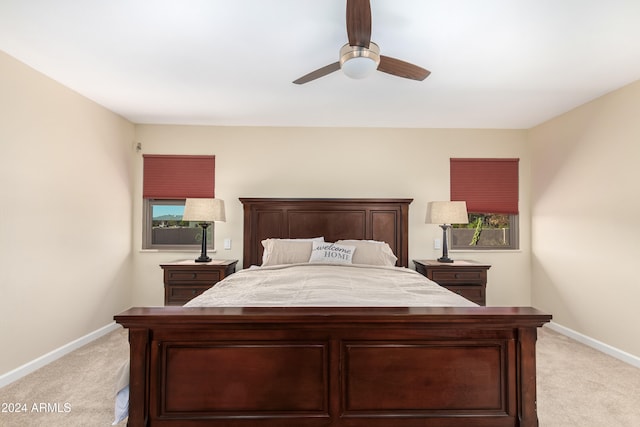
[(287, 251), (331, 253), (121, 410), (371, 252)]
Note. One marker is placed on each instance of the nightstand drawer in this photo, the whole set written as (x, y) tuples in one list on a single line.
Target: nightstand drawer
[(193, 276), (185, 280), (183, 294), (458, 276), (472, 293), (465, 278)]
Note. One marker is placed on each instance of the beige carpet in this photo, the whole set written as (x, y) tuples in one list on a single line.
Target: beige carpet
[(580, 386), (577, 386), (83, 380)]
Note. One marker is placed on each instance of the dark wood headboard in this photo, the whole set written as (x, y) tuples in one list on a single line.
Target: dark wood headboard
[(371, 219)]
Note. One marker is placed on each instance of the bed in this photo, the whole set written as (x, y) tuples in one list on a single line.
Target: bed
[(398, 366)]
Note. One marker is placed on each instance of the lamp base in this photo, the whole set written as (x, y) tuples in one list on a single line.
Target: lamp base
[(203, 253), (445, 252)]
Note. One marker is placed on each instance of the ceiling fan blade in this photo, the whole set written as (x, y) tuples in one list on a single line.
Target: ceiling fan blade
[(320, 72), (400, 68), (359, 22)]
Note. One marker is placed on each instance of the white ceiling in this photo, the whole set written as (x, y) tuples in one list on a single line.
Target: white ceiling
[(494, 63)]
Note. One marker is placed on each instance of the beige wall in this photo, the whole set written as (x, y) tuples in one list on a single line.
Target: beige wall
[(585, 218), (322, 162), (65, 214)]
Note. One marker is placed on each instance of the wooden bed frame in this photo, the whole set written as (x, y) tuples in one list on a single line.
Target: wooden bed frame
[(352, 367)]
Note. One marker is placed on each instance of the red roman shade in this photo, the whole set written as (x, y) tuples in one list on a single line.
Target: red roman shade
[(487, 185), (178, 177)]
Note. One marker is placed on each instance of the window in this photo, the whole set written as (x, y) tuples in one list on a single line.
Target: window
[(490, 188), (164, 228), (486, 231), (168, 181)]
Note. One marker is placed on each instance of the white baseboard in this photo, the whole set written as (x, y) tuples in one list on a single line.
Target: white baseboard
[(598, 345), (27, 368)]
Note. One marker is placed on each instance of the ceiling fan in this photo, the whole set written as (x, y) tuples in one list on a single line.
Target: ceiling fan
[(361, 56)]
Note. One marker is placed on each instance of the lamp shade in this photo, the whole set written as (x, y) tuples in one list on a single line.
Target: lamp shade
[(447, 213), (204, 210)]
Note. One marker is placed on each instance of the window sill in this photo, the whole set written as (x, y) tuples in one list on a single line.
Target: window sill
[(475, 251), (186, 251)]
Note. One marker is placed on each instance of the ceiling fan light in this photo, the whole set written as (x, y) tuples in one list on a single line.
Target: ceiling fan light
[(359, 67), (358, 62)]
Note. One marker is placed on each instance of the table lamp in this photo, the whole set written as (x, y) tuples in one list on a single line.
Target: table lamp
[(204, 211), (445, 214)]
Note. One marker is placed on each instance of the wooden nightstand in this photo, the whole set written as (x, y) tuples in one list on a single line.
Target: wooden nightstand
[(185, 280), (466, 278)]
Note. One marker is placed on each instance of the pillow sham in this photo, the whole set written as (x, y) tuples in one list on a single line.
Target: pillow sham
[(331, 253), (371, 252), (287, 251)]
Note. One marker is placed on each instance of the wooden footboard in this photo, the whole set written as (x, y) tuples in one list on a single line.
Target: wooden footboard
[(333, 366)]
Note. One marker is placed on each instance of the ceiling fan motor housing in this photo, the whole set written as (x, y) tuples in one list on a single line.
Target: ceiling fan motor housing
[(358, 62)]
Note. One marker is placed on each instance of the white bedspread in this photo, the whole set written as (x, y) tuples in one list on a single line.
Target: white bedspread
[(318, 285), (327, 285)]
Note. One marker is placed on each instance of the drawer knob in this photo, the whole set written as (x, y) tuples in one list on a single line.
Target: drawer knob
[(195, 275)]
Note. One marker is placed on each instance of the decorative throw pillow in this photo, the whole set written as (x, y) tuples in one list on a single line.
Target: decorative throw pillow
[(279, 251), (331, 253), (371, 252)]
